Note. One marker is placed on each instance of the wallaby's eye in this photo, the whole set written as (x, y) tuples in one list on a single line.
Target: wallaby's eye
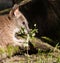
[(23, 23)]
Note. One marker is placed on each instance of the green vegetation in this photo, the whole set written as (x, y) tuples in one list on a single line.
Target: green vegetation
[(40, 57), (9, 51)]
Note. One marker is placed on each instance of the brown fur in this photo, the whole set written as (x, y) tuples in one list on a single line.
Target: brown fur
[(9, 25)]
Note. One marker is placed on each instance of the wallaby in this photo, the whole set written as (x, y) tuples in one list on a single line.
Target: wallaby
[(9, 25)]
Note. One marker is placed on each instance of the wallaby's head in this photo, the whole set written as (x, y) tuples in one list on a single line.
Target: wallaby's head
[(19, 22), (19, 18), (10, 25)]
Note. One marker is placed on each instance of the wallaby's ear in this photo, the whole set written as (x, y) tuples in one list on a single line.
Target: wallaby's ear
[(14, 11)]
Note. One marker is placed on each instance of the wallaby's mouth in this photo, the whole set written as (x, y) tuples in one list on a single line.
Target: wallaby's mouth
[(21, 34)]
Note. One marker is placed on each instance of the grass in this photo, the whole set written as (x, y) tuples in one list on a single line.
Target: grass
[(9, 51), (40, 57)]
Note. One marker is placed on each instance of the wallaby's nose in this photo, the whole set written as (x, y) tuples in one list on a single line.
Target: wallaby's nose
[(27, 30)]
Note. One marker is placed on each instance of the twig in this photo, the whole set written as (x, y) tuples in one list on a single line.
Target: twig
[(24, 2)]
